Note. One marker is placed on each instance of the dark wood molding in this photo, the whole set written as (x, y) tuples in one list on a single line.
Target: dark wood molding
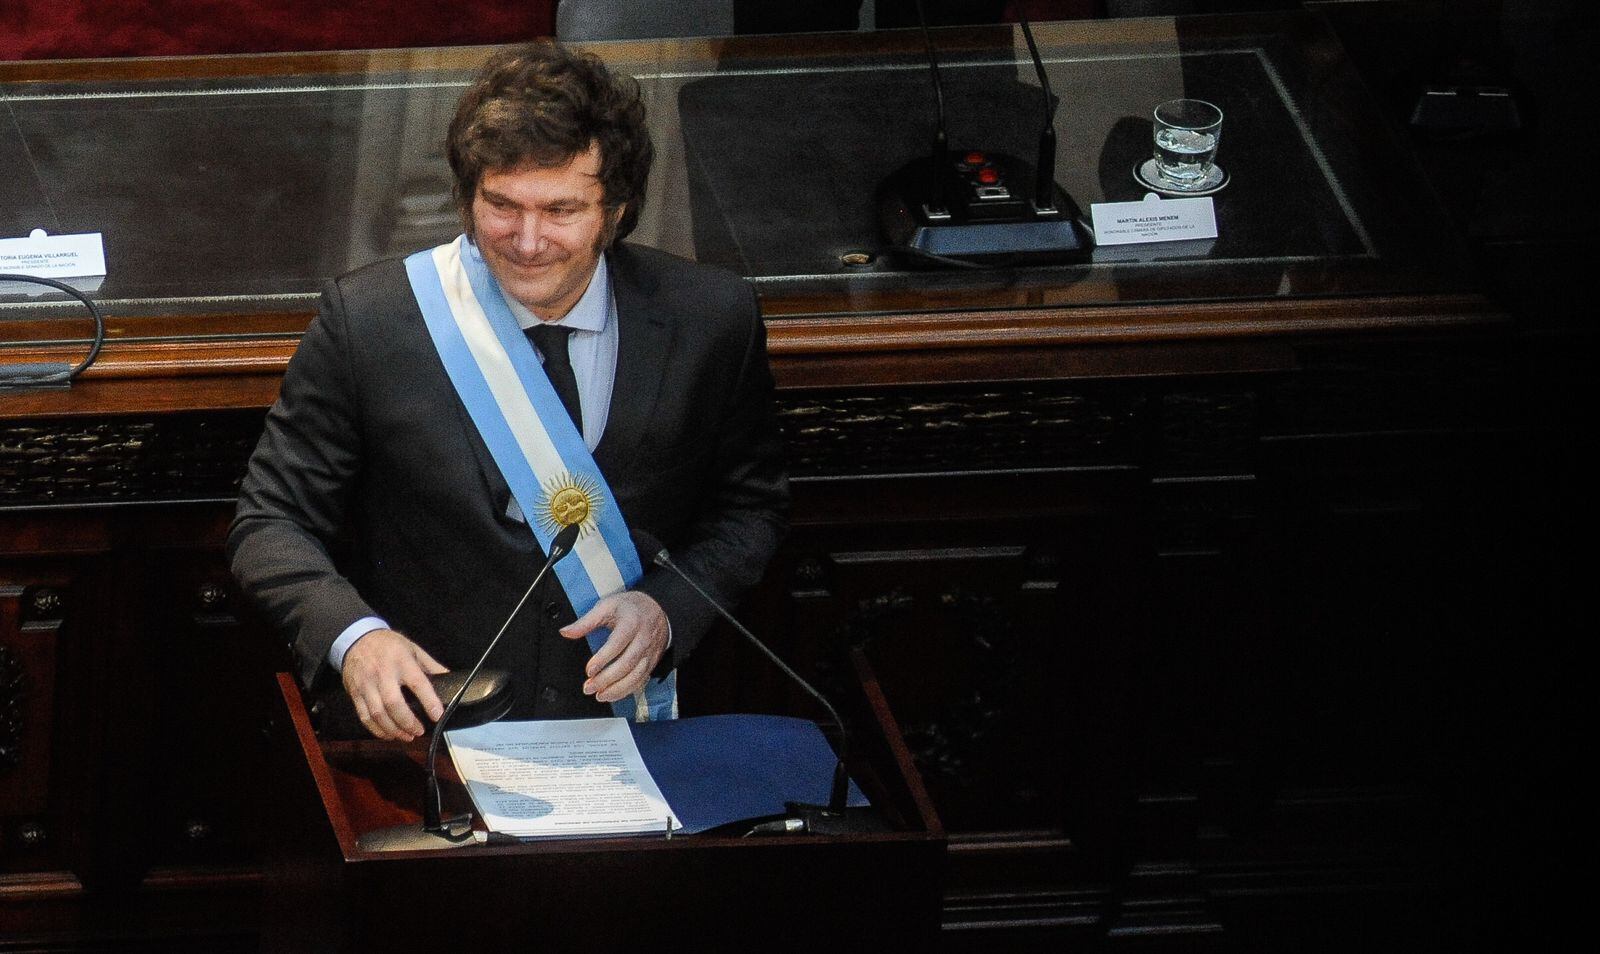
[(240, 371), (1142, 324)]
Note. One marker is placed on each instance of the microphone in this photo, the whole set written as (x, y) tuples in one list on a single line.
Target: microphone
[(977, 207), (834, 818), (1044, 168), (935, 208), (435, 831)]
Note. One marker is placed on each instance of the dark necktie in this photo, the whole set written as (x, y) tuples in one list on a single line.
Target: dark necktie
[(551, 340)]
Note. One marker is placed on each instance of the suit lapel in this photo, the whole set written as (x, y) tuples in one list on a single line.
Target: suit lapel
[(494, 483), (644, 336)]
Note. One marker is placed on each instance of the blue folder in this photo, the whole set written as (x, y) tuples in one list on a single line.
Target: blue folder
[(724, 768)]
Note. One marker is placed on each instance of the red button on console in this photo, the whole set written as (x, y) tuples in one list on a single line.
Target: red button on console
[(976, 159), (988, 176)]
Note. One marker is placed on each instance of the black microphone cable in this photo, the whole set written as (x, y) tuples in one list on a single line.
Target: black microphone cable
[(31, 375)]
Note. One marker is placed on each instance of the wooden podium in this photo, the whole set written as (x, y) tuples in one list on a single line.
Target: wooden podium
[(709, 893)]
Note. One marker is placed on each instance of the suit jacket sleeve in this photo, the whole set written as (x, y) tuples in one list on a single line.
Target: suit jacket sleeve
[(294, 495)]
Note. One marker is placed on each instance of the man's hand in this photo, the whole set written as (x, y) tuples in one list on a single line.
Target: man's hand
[(375, 668), (638, 638)]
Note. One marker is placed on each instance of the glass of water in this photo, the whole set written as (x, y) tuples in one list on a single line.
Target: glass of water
[(1187, 132)]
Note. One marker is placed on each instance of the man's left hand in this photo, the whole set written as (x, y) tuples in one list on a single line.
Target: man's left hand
[(638, 638)]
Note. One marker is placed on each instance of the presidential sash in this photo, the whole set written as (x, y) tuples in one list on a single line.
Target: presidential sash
[(538, 449)]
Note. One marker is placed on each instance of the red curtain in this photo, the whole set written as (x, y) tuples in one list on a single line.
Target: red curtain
[(58, 29)]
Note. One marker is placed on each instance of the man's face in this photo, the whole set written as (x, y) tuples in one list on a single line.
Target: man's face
[(541, 231)]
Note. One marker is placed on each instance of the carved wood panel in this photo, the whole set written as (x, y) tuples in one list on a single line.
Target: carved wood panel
[(32, 605), (30, 616), (213, 690)]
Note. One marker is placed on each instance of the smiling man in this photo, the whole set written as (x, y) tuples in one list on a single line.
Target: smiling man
[(542, 230), (447, 414)]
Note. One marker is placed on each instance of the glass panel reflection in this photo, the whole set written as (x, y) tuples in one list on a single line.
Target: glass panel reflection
[(242, 193)]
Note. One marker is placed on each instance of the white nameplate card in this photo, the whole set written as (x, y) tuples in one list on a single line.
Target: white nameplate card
[(1153, 220), (54, 256)]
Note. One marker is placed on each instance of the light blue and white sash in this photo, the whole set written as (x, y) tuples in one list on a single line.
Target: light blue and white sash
[(538, 449)]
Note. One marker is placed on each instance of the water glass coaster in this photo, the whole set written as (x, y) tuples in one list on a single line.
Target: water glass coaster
[(1147, 174)]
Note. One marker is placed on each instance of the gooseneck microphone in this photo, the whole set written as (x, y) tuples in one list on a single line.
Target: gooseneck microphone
[(1044, 167), (978, 207), (437, 832), (835, 817), (935, 208)]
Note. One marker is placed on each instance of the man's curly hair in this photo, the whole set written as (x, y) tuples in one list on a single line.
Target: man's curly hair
[(543, 105)]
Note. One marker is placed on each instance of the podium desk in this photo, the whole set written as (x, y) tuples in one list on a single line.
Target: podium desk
[(808, 892)]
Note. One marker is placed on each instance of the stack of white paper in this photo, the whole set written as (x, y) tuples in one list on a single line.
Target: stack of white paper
[(578, 777)]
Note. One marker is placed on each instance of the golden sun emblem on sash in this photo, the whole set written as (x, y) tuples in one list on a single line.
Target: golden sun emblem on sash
[(569, 498)]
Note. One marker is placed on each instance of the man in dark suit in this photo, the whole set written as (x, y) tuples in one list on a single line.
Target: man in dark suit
[(374, 525)]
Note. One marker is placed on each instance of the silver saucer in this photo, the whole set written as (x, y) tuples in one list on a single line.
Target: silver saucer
[(1146, 174)]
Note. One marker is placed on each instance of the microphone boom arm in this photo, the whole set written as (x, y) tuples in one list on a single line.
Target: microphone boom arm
[(839, 794), (431, 803)]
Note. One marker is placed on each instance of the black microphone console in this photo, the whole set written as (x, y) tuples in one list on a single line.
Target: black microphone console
[(987, 215), (974, 208)]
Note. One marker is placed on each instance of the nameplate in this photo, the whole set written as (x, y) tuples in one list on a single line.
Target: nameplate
[(1153, 220), (54, 256)]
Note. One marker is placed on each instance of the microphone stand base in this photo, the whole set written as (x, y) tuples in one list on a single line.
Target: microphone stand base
[(1003, 231), (456, 833)]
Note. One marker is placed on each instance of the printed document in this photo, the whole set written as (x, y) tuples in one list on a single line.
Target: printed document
[(564, 777)]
